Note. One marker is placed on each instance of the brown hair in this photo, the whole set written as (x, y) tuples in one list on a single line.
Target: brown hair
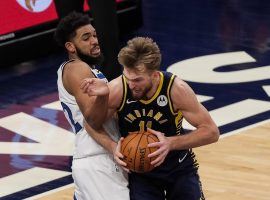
[(140, 50)]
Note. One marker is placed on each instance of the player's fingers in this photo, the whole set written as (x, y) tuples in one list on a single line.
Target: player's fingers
[(119, 160), (159, 160), (118, 154), (119, 144), (155, 153), (159, 134), (152, 131), (90, 91), (159, 163), (84, 83), (85, 89), (126, 169), (154, 144)]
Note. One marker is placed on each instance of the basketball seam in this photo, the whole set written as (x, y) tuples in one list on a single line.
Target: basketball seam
[(137, 151), (129, 142), (152, 137)]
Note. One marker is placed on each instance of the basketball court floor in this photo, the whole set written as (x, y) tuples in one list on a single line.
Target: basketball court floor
[(221, 48)]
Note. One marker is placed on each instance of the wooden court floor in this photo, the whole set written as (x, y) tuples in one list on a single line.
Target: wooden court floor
[(235, 168)]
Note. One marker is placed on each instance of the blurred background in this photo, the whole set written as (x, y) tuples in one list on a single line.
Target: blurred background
[(220, 47)]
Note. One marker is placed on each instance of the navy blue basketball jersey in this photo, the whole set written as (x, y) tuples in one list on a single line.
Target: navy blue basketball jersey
[(156, 113)]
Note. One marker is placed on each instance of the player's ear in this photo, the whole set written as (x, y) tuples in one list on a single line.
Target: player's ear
[(70, 47)]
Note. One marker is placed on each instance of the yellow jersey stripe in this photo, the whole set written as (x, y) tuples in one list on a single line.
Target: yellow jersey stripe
[(124, 81), (157, 92)]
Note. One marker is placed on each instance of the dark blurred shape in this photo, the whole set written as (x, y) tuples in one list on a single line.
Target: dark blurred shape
[(36, 41), (106, 25)]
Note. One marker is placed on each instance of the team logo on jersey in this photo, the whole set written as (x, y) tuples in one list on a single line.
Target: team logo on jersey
[(162, 100)]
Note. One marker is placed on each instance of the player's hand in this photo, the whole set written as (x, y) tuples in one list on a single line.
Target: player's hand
[(118, 156), (163, 147), (94, 87)]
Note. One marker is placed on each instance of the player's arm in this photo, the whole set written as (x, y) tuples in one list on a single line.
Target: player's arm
[(115, 100), (206, 132), (116, 95), (102, 138), (93, 107)]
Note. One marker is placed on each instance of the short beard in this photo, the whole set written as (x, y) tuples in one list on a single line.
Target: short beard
[(90, 60), (143, 96)]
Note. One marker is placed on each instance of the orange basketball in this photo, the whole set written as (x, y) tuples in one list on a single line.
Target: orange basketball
[(135, 151)]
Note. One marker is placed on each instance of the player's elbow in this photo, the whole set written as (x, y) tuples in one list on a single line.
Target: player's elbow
[(214, 134)]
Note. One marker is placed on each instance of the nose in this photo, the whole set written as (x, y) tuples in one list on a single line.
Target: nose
[(94, 41), (131, 85)]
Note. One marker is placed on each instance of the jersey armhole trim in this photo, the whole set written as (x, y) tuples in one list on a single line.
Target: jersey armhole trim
[(169, 94), (124, 83)]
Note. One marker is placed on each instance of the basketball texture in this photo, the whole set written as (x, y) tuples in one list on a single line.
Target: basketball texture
[(135, 151)]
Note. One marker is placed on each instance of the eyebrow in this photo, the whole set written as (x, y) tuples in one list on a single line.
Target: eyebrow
[(88, 33), (131, 79)]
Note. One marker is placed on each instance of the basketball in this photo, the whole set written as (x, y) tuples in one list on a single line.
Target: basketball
[(135, 151)]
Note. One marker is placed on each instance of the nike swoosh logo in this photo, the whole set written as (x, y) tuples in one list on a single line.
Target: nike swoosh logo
[(181, 160), (129, 101)]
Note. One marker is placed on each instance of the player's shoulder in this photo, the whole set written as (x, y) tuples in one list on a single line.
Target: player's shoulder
[(115, 85), (179, 83), (116, 92), (180, 88), (77, 67), (116, 81), (77, 64)]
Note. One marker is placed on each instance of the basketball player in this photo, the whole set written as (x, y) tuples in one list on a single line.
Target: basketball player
[(146, 98), (95, 174), (103, 12)]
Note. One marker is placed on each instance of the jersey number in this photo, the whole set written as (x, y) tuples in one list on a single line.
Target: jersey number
[(143, 127), (76, 126)]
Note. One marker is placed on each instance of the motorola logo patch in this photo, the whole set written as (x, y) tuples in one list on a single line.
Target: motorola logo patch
[(162, 100)]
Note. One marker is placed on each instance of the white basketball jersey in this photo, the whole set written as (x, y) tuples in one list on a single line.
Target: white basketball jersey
[(84, 144)]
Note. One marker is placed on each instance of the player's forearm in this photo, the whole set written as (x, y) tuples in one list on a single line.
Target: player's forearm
[(101, 137), (97, 114), (201, 136), (104, 140)]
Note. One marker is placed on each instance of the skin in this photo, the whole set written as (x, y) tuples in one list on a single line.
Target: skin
[(143, 85), (183, 99), (94, 104)]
